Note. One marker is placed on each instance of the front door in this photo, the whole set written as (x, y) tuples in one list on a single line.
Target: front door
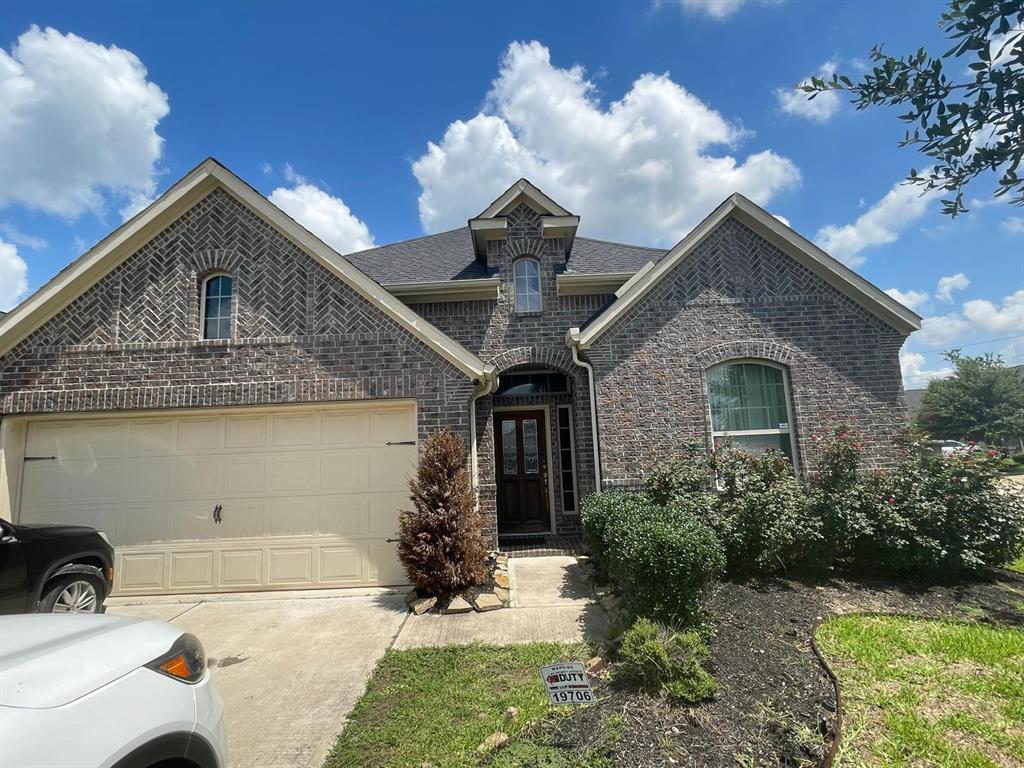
[(522, 470)]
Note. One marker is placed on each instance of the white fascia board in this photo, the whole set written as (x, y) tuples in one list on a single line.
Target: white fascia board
[(504, 202), (553, 226), (482, 289), (126, 240), (784, 238), (570, 284), (635, 278)]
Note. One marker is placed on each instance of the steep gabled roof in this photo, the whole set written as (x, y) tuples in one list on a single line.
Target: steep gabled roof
[(778, 234), (87, 269)]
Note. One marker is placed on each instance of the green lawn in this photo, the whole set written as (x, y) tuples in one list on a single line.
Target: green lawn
[(1017, 565), (437, 704), (928, 693)]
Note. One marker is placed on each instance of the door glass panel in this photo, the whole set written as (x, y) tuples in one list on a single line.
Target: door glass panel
[(508, 448), (531, 459)]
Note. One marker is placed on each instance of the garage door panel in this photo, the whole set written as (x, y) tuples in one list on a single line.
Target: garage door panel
[(346, 470), (245, 431), (244, 474), (349, 427), (299, 516), (297, 472), (308, 494), (191, 570), (343, 515), (294, 430), (150, 436)]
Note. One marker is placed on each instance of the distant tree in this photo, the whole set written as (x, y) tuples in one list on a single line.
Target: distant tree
[(969, 122), (983, 400)]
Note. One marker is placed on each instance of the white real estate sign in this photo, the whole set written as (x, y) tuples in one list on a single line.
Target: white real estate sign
[(567, 683)]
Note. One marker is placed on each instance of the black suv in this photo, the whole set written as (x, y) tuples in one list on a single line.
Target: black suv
[(54, 568)]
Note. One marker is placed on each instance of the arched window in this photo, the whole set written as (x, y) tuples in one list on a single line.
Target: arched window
[(526, 273), (216, 306), (750, 407)]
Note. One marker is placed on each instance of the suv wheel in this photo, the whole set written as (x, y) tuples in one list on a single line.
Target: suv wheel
[(77, 593)]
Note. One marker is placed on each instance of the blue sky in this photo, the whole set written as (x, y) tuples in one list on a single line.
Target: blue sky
[(377, 122)]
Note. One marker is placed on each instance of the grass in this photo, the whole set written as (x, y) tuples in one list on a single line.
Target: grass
[(920, 692), (1017, 565), (436, 705)]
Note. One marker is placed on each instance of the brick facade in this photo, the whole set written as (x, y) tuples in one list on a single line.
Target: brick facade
[(735, 297), (300, 334)]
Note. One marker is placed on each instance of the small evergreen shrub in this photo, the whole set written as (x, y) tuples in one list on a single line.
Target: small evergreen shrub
[(596, 514), (442, 546), (661, 661), (681, 477), (662, 560)]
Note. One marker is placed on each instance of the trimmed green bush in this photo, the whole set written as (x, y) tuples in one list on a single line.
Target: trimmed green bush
[(662, 560), (597, 513), (661, 661)]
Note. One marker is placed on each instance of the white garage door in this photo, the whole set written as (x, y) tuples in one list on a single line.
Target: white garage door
[(305, 496)]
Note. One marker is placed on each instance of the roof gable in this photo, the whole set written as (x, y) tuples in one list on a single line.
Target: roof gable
[(778, 234), (98, 261)]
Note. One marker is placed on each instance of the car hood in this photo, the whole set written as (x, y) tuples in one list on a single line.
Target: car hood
[(47, 660), (55, 529)]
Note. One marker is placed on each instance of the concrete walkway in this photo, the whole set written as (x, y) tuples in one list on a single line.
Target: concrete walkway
[(550, 603)]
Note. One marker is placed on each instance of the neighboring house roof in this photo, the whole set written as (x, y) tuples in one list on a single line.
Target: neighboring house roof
[(77, 277), (914, 398), (450, 256), (778, 234)]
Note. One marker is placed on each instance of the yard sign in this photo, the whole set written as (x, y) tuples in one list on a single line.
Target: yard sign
[(567, 683)]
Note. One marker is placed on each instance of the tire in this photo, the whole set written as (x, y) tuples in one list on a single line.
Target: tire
[(74, 593)]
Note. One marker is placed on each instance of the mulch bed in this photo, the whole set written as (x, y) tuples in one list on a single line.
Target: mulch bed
[(776, 706)]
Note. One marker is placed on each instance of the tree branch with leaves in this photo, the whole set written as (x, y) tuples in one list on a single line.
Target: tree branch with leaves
[(966, 126)]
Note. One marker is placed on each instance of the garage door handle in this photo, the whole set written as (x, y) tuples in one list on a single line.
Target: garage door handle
[(216, 513), (392, 541), (401, 442), (40, 458)]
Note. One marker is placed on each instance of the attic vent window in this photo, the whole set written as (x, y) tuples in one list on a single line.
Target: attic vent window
[(526, 274)]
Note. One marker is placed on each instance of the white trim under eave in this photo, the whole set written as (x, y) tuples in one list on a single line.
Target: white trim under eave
[(481, 289), (570, 284), (523, 187), (803, 251), (120, 245)]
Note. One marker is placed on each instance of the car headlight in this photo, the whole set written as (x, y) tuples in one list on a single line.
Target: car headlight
[(186, 661)]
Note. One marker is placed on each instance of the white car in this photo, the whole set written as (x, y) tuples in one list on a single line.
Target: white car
[(93, 691)]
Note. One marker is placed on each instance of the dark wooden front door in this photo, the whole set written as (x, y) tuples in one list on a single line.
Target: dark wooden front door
[(521, 461)]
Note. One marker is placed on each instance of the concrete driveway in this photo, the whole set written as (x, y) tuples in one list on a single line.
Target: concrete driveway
[(289, 666)]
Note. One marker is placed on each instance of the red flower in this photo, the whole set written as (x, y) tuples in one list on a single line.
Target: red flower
[(892, 499)]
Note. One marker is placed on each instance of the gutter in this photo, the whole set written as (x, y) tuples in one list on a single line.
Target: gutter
[(572, 340), (485, 385)]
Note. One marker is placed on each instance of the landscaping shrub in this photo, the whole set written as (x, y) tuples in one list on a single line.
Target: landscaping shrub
[(596, 514), (763, 517), (442, 544), (681, 477), (663, 560), (660, 660)]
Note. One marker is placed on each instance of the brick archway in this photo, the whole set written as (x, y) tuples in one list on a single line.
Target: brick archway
[(747, 348)]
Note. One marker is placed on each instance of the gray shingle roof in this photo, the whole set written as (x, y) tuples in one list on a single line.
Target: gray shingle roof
[(450, 256)]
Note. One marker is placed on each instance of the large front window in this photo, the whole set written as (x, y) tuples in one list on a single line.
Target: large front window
[(750, 407), (526, 273)]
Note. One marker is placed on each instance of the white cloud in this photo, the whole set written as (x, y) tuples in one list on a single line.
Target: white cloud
[(1012, 225), (821, 108), (716, 9), (911, 299), (266, 167), (78, 122), (640, 170), (1007, 317), (13, 276), (915, 374), (881, 224), (947, 285), (940, 330), (16, 236), (324, 215)]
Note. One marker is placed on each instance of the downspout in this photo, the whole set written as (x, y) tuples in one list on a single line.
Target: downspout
[(572, 340), (484, 386)]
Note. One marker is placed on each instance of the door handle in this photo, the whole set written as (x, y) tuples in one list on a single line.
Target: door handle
[(216, 513)]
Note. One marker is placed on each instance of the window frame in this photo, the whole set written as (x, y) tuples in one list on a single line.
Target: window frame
[(786, 393), (571, 469), (204, 287), (504, 378), (532, 260)]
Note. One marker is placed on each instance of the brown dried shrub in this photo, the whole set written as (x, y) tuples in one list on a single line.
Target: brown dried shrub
[(442, 547)]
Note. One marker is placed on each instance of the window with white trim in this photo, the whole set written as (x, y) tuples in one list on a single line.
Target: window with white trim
[(750, 407), (567, 458), (216, 306), (526, 278)]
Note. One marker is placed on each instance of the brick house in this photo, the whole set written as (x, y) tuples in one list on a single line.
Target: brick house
[(238, 406)]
